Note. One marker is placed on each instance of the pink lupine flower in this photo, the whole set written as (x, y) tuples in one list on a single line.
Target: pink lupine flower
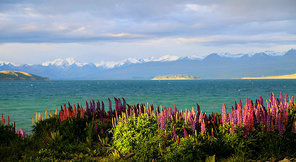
[(281, 96), (203, 127), (175, 109), (2, 120), (200, 117), (8, 120), (239, 116), (174, 133), (287, 98), (21, 133), (232, 129)]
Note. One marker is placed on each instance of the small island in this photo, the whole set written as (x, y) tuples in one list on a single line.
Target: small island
[(291, 76), (176, 77), (19, 75)]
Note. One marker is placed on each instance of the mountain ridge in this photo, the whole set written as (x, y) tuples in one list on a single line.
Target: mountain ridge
[(213, 66)]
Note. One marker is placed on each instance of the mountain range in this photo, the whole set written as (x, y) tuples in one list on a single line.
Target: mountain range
[(213, 66)]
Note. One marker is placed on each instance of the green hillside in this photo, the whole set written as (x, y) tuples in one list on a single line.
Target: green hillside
[(18, 75)]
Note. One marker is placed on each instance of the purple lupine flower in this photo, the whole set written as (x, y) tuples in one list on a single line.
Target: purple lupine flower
[(119, 106), (103, 107), (124, 105), (185, 132), (116, 103), (163, 122), (98, 106), (110, 107), (224, 117)]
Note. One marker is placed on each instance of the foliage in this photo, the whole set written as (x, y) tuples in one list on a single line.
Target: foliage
[(144, 132)]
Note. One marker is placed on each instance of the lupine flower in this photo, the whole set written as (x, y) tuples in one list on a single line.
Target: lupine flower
[(224, 115), (174, 133), (2, 120), (162, 121), (21, 133), (232, 129), (203, 127), (110, 107), (185, 132)]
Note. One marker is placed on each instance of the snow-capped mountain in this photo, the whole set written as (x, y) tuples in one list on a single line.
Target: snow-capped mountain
[(63, 62), (2, 63), (214, 66), (113, 64)]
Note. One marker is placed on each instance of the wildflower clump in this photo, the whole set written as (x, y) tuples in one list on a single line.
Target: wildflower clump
[(255, 130)]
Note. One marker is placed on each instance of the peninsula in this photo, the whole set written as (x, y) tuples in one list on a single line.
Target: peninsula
[(19, 75), (291, 76)]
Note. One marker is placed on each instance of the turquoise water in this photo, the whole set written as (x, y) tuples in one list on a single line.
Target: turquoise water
[(21, 99)]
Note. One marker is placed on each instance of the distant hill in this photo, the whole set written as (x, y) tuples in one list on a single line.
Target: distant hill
[(176, 77), (214, 66), (18, 75), (291, 76)]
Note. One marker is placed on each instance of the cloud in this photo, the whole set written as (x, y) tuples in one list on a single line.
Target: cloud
[(35, 31), (227, 39), (57, 21)]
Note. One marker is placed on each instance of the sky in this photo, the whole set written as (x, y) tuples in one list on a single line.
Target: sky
[(96, 31)]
